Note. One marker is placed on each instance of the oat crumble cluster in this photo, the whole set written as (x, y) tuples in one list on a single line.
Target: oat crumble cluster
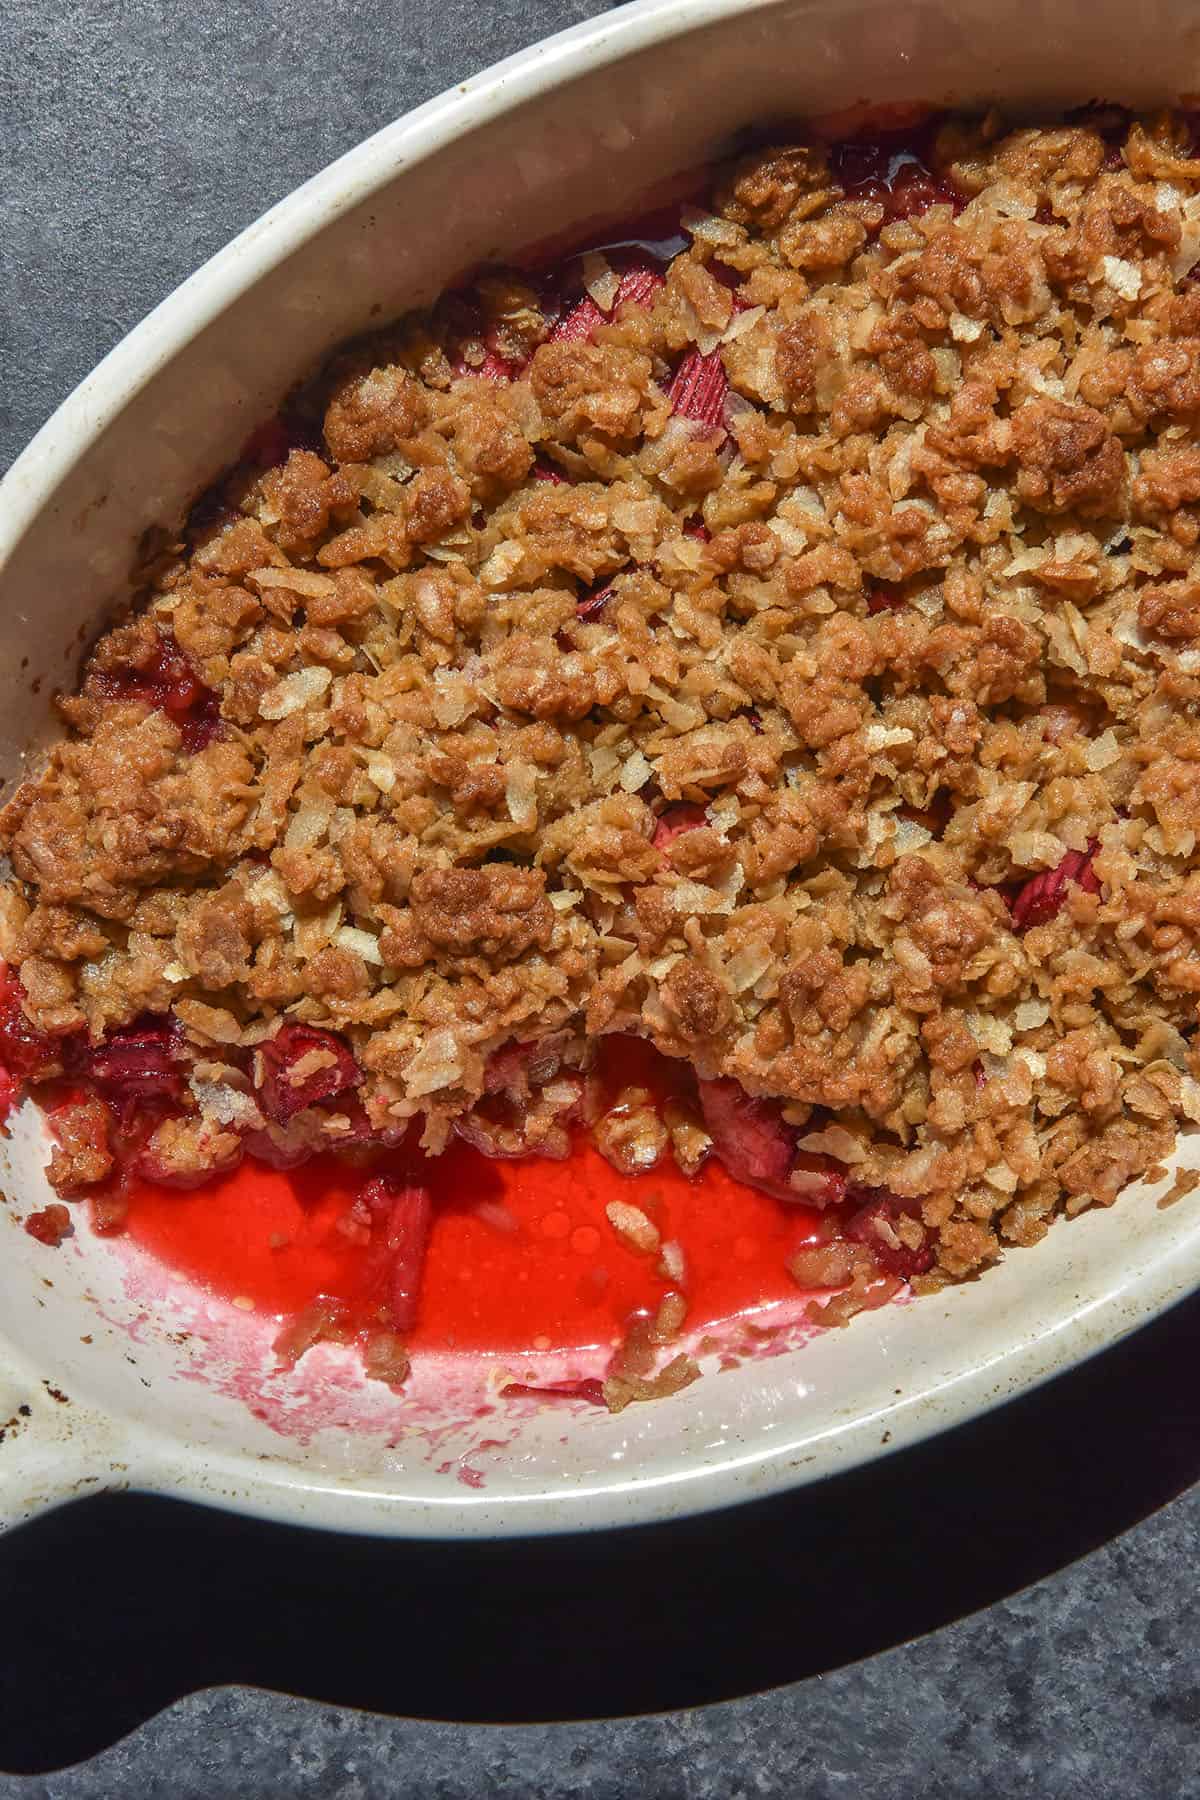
[(787, 651)]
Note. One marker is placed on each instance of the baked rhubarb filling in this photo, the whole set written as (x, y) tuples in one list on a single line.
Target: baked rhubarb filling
[(666, 779)]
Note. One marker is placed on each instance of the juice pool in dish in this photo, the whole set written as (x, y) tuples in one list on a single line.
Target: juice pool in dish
[(522, 1255)]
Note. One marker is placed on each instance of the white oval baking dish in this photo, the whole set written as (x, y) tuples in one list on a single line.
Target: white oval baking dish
[(111, 1372)]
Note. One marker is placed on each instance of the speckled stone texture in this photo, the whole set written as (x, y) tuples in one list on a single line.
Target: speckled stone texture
[(137, 137)]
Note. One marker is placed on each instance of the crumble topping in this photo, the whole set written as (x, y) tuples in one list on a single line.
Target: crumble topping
[(788, 653)]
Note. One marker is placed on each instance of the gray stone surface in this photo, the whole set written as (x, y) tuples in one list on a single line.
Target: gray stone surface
[(1083, 1688), (137, 138)]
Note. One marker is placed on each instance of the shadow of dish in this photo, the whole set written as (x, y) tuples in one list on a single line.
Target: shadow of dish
[(117, 1606)]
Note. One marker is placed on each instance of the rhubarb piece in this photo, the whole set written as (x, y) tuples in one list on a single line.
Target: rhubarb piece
[(750, 1136), (544, 471), (168, 682), (592, 604), (578, 325), (1039, 899), (875, 1223), (26, 1053), (587, 1388), (639, 286), (407, 1239), (135, 1068), (49, 1225), (403, 1214), (495, 367), (914, 189), (675, 821), (302, 1065), (699, 388), (758, 1146), (890, 171)]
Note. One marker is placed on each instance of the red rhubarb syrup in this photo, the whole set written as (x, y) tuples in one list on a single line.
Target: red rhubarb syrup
[(537, 1266)]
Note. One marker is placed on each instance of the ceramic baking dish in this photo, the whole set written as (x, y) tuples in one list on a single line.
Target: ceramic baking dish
[(113, 1372)]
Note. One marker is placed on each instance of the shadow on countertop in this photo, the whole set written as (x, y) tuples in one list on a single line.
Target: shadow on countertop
[(116, 1606)]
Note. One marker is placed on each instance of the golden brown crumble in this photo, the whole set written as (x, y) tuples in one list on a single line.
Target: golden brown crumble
[(846, 745)]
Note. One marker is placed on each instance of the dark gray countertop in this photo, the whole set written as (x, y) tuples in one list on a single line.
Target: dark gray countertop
[(137, 138)]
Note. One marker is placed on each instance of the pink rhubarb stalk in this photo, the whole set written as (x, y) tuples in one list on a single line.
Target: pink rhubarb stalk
[(1039, 899), (699, 389)]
